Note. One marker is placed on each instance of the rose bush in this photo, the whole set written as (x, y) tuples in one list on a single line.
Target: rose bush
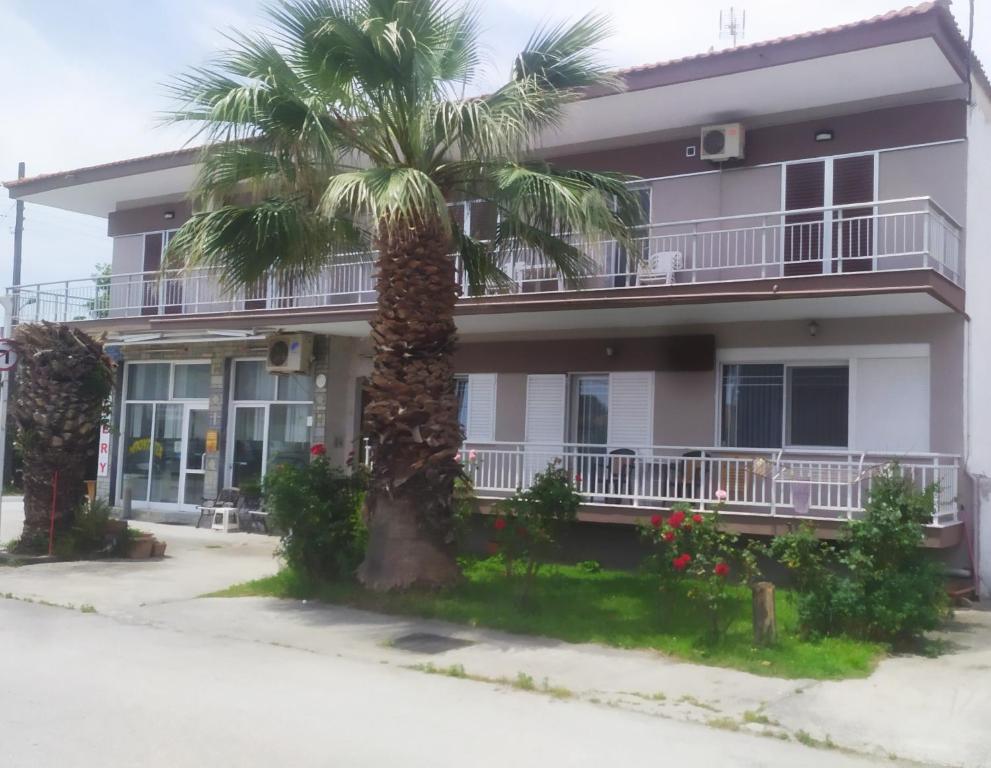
[(691, 558)]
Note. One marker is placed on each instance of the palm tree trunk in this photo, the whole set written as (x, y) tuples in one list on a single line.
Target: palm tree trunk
[(63, 380), (412, 415)]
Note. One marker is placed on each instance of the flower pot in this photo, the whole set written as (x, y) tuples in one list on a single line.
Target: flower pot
[(158, 548), (140, 548)]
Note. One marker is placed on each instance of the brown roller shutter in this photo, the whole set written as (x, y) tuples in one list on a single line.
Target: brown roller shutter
[(805, 187), (853, 228)]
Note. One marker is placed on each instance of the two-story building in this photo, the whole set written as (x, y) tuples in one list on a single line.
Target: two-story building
[(796, 314)]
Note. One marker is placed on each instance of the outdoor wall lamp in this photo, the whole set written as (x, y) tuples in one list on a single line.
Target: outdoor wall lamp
[(813, 328), (824, 135), (169, 215)]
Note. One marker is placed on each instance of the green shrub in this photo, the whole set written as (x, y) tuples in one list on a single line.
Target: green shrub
[(881, 584), (529, 523), (318, 509), (94, 533)]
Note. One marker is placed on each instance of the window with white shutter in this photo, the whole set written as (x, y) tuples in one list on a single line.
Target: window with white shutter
[(631, 409), (480, 426), (545, 400)]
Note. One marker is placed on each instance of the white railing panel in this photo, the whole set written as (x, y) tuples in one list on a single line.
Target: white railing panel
[(775, 483), (912, 233)]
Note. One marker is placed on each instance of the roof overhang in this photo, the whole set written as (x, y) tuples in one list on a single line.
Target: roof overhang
[(903, 57), (891, 75)]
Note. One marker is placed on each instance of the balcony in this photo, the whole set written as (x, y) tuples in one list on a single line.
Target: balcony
[(883, 236), (821, 486)]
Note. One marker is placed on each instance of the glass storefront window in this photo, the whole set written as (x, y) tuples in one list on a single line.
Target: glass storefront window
[(289, 435), (294, 387), (192, 381), (252, 381), (137, 448), (164, 433), (148, 381)]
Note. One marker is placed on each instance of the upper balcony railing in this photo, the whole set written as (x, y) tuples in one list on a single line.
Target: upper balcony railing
[(880, 236)]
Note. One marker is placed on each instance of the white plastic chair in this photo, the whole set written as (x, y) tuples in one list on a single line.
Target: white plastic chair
[(660, 268)]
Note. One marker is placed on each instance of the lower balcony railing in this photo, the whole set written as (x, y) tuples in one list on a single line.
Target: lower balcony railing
[(795, 484), (912, 233)]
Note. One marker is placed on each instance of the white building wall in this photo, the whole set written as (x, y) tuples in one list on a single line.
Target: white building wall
[(978, 363)]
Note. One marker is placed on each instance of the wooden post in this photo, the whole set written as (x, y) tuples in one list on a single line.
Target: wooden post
[(765, 624)]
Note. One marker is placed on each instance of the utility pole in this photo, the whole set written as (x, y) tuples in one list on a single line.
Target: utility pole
[(11, 309), (18, 232)]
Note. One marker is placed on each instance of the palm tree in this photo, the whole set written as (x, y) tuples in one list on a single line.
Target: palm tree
[(349, 125), (63, 382)]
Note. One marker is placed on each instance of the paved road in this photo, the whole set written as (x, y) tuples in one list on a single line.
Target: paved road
[(79, 690)]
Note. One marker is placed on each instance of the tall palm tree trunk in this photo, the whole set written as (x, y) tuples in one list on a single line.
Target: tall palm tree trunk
[(412, 413)]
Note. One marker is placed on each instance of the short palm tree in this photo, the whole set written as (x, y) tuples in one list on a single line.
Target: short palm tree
[(348, 125), (63, 382)]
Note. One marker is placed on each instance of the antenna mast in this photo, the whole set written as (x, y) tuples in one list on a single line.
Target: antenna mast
[(733, 25)]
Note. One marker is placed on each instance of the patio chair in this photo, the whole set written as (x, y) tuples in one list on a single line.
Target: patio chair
[(621, 471), (660, 268), (228, 497)]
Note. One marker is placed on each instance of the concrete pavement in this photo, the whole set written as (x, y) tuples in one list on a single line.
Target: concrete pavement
[(88, 690), (933, 711)]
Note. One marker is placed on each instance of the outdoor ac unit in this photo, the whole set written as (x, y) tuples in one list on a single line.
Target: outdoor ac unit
[(722, 142), (289, 353)]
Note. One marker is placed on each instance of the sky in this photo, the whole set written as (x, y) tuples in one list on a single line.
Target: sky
[(83, 81)]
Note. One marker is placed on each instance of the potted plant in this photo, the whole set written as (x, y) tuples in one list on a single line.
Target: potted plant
[(139, 544)]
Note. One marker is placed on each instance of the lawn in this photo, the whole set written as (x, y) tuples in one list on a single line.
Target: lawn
[(615, 608)]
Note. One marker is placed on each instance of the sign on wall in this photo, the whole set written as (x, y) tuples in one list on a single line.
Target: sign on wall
[(103, 454), (8, 355)]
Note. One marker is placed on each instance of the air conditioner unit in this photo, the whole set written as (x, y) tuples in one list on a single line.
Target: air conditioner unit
[(289, 352), (722, 142)]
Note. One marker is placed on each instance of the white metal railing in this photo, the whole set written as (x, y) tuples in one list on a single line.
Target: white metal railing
[(818, 485), (909, 233)]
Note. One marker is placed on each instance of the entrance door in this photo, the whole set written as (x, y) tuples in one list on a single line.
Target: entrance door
[(825, 240), (193, 465)]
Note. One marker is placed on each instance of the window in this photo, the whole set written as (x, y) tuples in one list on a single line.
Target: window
[(163, 440), (192, 381), (270, 423), (590, 409), (818, 398), (461, 392), (148, 381), (768, 405)]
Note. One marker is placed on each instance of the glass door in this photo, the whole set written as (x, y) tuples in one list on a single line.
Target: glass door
[(166, 454), (193, 466), (247, 452)]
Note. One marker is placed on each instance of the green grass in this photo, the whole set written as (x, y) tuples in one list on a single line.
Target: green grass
[(614, 608)]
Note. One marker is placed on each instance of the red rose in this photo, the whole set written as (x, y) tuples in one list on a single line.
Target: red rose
[(681, 562), (721, 569), (499, 523), (656, 521), (578, 479), (318, 449), (669, 535), (676, 519), (696, 518)]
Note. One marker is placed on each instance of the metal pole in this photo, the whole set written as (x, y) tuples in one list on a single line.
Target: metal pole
[(6, 303)]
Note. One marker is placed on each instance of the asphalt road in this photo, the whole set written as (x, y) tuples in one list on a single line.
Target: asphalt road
[(80, 689)]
